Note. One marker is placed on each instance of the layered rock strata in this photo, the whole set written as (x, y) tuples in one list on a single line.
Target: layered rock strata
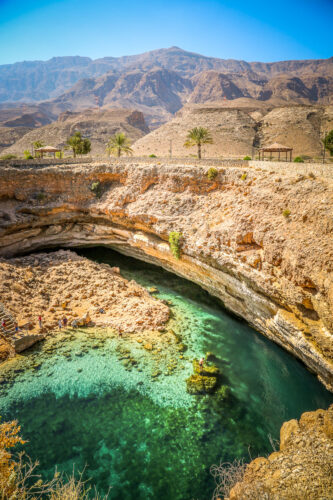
[(259, 241), (302, 469)]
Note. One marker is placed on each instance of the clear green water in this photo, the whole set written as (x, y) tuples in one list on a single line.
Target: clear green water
[(145, 436)]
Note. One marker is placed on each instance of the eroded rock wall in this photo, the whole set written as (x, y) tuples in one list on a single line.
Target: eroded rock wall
[(259, 241), (301, 469)]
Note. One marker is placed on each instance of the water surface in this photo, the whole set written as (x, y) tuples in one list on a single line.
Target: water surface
[(81, 402)]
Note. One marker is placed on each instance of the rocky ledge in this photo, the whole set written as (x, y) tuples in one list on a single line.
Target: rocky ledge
[(62, 285), (259, 240), (301, 469)]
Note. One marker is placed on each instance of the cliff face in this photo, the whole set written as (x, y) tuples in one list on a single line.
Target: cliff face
[(259, 240), (301, 469)]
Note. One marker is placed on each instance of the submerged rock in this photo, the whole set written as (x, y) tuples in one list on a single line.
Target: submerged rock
[(199, 384), (206, 370)]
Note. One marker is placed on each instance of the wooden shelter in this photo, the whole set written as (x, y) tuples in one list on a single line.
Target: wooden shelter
[(47, 149), (276, 148)]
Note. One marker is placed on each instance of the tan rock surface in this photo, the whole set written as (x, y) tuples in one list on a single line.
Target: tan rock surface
[(301, 470), (275, 271), (96, 125), (62, 284), (239, 127)]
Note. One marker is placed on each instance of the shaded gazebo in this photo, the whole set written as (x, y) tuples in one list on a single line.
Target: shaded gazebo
[(47, 149), (275, 148)]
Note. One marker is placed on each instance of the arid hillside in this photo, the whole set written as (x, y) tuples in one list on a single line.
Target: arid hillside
[(97, 125), (161, 82), (240, 127), (43, 80)]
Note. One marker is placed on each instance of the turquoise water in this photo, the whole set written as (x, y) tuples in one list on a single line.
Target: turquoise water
[(122, 413)]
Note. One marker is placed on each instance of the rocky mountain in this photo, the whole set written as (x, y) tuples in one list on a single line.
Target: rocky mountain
[(43, 80), (160, 82), (239, 127), (97, 125)]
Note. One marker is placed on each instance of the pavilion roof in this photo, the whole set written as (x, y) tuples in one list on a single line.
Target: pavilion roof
[(48, 149), (275, 147)]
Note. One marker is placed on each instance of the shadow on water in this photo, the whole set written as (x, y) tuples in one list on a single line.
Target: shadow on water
[(145, 438)]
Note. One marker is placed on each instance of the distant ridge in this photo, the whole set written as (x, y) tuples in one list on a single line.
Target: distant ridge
[(35, 81)]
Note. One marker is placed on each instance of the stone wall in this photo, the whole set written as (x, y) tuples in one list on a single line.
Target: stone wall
[(285, 168), (319, 169)]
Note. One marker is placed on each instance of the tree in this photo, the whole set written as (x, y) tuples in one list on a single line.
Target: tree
[(27, 155), (196, 137), (79, 145), (328, 142), (119, 144), (36, 145)]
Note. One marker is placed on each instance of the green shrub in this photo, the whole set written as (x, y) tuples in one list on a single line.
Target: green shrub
[(96, 188), (27, 155), (8, 157), (152, 156), (286, 212), (298, 159), (41, 196), (211, 173), (243, 177), (247, 158), (59, 154), (174, 242)]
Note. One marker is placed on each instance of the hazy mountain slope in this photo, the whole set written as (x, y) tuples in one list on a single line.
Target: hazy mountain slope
[(43, 80), (158, 93), (97, 125), (233, 132)]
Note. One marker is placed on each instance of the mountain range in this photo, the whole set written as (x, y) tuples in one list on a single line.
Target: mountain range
[(160, 82), (246, 104)]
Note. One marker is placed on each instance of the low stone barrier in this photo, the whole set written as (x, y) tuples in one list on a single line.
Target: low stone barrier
[(324, 170)]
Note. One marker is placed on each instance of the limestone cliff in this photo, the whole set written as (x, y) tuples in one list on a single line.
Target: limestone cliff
[(258, 239), (301, 470)]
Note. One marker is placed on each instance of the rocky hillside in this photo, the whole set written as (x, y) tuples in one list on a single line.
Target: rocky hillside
[(301, 469), (259, 239), (158, 93), (43, 80), (97, 125), (160, 82), (240, 127), (15, 122)]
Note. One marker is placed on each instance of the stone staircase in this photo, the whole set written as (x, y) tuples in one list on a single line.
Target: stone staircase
[(7, 333), (19, 340)]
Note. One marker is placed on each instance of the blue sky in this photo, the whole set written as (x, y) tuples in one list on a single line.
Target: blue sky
[(251, 30)]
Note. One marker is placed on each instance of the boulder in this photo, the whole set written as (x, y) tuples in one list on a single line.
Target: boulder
[(199, 384), (207, 370), (23, 342)]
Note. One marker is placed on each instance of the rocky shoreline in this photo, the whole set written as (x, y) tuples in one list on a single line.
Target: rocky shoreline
[(65, 289), (258, 241)]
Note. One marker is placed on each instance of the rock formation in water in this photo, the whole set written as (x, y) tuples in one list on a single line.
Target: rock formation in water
[(301, 469), (258, 237)]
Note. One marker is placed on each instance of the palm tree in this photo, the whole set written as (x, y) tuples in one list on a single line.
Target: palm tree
[(119, 144), (198, 136)]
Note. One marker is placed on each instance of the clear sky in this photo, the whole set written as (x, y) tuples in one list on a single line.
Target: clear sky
[(257, 30)]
